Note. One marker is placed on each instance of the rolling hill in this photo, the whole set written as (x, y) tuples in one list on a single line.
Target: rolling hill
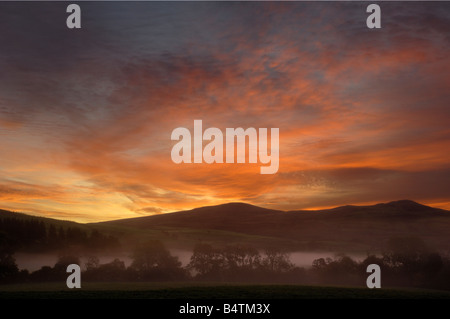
[(342, 228)]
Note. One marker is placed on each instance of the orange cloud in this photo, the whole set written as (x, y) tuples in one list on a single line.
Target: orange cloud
[(354, 109)]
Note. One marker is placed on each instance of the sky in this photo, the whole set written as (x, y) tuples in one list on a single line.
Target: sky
[(86, 115)]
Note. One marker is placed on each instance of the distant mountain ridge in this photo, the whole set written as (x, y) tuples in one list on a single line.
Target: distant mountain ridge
[(244, 211), (368, 226), (339, 228)]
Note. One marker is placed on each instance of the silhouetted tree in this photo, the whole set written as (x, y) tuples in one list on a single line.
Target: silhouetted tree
[(340, 270), (60, 267), (45, 273), (152, 261), (207, 262), (61, 236), (8, 266), (406, 256), (276, 261), (92, 263), (52, 237), (98, 241), (112, 271), (241, 257)]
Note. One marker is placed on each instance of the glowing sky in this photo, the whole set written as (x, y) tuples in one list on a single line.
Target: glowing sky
[(86, 115)]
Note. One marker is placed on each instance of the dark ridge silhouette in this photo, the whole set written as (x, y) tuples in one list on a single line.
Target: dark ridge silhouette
[(338, 229), (410, 206), (395, 209), (232, 215), (364, 226), (26, 233), (19, 215), (214, 217)]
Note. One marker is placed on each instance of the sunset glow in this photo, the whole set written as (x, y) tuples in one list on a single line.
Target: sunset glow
[(86, 115)]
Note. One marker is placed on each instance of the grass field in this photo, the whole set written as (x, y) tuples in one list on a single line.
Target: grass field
[(207, 291)]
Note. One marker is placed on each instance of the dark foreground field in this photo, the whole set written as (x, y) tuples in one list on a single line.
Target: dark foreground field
[(207, 291)]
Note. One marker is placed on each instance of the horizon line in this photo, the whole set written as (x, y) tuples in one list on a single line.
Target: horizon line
[(315, 209)]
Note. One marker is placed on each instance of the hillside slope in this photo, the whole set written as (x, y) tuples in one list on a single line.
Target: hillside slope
[(369, 226)]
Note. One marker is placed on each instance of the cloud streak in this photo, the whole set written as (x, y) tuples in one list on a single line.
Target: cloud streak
[(86, 118)]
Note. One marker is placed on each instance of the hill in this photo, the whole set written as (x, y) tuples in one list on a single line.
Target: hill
[(25, 233), (342, 228)]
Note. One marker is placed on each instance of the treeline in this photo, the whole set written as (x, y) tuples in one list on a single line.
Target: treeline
[(242, 263), (406, 262), (36, 236), (152, 261)]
